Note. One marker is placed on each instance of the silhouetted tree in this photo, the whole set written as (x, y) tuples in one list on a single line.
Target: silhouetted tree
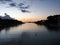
[(7, 21)]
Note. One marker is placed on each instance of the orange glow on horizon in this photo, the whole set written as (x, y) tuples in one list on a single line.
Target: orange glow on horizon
[(30, 19)]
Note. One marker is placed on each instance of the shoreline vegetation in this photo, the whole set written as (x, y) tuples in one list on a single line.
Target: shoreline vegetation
[(51, 22), (8, 22)]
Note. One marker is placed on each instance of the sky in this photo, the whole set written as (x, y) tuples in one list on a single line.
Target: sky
[(29, 10)]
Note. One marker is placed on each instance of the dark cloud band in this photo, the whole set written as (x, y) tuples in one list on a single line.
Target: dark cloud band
[(12, 4), (5, 0), (24, 11), (23, 7)]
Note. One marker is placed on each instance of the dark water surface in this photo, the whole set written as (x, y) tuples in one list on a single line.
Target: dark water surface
[(29, 34)]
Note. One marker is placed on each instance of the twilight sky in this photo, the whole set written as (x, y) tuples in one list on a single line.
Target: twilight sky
[(29, 10)]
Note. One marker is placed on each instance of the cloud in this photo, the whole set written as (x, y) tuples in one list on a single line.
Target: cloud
[(43, 0), (20, 4), (5, 0), (1, 0), (24, 7), (6, 16), (12, 4), (24, 11), (8, 0)]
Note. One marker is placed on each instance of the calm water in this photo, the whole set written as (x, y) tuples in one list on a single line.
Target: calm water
[(29, 34)]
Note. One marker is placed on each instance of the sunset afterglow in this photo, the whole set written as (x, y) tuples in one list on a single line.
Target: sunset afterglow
[(37, 10)]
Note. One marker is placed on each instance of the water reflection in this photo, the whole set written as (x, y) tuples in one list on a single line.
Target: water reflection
[(8, 27), (29, 34), (53, 29), (50, 28)]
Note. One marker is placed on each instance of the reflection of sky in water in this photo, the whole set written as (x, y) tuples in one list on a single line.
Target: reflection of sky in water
[(14, 32), (29, 33)]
